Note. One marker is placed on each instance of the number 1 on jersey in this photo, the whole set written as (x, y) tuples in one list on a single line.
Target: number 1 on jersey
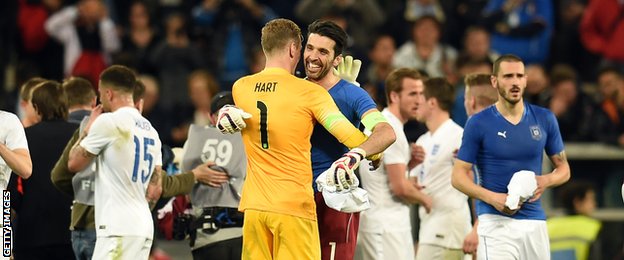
[(264, 135)]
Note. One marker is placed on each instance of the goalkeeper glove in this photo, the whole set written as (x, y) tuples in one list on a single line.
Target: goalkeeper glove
[(348, 69), (341, 174), (231, 119)]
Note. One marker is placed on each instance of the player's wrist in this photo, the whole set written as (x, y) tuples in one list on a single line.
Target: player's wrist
[(361, 152)]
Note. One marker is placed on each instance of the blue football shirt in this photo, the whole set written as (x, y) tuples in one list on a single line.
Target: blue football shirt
[(353, 102), (498, 149)]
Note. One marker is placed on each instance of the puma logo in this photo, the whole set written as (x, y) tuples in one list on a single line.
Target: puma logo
[(503, 134)]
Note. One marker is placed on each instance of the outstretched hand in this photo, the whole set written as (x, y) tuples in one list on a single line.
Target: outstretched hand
[(348, 69)]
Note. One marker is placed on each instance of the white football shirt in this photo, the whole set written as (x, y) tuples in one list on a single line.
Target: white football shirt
[(128, 150), (12, 135), (387, 213), (448, 223)]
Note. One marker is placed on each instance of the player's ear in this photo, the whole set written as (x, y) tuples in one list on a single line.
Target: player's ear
[(494, 81), (337, 60), (394, 97)]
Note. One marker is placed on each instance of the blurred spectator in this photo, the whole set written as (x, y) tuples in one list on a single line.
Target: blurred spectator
[(577, 114), (42, 204), (202, 86), (29, 115), (602, 29), (537, 91), (88, 35), (258, 60), (229, 32), (611, 88), (477, 44), (152, 109), (175, 58), (468, 13), (521, 27), (81, 98), (36, 50), (566, 44), (574, 236), (426, 52), (361, 17), (139, 40), (380, 55), (443, 11), (467, 65)]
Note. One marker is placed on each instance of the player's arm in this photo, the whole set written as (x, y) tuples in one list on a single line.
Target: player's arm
[(15, 150), (403, 189), (558, 176), (18, 160), (61, 176), (79, 157), (460, 179), (382, 134), (155, 186)]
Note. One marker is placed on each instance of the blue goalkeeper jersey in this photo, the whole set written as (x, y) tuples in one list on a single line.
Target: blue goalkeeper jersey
[(498, 149), (353, 102)]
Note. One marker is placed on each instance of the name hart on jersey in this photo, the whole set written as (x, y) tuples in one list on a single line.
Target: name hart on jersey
[(265, 87)]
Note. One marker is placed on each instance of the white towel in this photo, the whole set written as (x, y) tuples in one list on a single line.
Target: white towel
[(350, 201), (520, 188), (622, 191)]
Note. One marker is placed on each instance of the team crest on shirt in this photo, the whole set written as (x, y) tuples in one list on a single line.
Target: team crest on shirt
[(536, 133), (435, 149)]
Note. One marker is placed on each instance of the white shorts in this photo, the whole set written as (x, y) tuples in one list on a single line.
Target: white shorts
[(389, 245), (117, 247), (427, 252), (507, 238)]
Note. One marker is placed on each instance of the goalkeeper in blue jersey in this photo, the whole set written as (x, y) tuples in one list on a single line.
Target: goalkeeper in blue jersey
[(322, 53)]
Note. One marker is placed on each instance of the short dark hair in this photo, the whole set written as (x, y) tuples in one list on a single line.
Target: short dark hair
[(27, 87), (139, 91), (330, 30), (574, 190), (50, 101), (610, 69), (118, 77), (440, 89), (480, 86), (507, 58), (221, 99), (394, 81), (79, 91)]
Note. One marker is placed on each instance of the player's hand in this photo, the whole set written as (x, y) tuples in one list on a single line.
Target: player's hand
[(342, 172), (427, 202), (231, 119), (154, 190), (206, 175), (542, 183), (498, 202), (471, 241), (348, 69), (95, 113), (375, 161)]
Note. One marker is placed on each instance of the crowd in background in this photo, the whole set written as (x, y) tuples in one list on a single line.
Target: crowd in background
[(189, 50)]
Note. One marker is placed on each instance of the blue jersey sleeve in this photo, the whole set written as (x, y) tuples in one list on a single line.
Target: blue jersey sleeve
[(471, 141), (362, 102), (554, 143)]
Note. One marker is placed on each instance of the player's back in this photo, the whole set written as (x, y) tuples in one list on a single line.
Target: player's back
[(277, 140), (131, 151)]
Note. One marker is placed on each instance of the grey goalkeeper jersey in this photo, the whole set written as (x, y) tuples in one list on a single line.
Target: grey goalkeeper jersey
[(208, 144)]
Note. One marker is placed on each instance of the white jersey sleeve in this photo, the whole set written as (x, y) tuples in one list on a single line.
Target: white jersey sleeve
[(100, 135), (12, 132)]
